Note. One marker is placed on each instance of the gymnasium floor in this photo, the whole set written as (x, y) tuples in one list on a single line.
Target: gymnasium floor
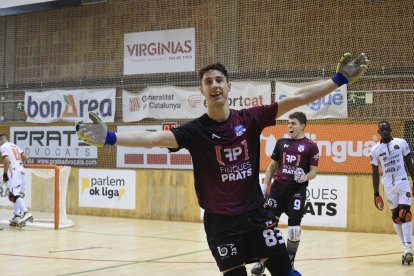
[(110, 246)]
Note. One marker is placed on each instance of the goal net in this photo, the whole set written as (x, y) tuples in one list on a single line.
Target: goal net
[(44, 195), (136, 63)]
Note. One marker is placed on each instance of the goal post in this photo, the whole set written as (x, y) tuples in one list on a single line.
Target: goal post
[(45, 195)]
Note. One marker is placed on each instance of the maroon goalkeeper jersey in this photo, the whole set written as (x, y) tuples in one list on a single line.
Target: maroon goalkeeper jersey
[(226, 158), (291, 155)]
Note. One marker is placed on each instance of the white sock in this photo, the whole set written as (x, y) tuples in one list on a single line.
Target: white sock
[(16, 209), (399, 230), (407, 229), (21, 205)]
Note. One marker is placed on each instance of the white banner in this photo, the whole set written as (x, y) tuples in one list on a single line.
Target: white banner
[(159, 158), (170, 102), (57, 145), (69, 105), (334, 105), (326, 202), (159, 51), (107, 189)]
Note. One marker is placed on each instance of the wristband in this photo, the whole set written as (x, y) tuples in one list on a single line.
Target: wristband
[(339, 79), (110, 138), (376, 194)]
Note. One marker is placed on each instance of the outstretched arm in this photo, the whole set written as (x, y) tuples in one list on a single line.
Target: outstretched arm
[(147, 139), (97, 134), (306, 95), (348, 71)]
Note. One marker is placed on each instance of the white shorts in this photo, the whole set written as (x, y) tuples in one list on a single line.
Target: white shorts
[(17, 181), (400, 193)]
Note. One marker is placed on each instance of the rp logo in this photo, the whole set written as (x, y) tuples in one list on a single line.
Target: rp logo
[(291, 158)]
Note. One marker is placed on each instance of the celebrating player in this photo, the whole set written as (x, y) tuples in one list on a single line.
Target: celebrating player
[(225, 147), (294, 163), (393, 154), (13, 173)]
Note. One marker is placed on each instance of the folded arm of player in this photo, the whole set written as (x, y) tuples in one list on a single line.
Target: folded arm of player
[(347, 71), (97, 134)]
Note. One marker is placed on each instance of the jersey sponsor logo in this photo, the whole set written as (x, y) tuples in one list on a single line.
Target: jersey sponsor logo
[(227, 250), (316, 156), (285, 145), (234, 162), (239, 130), (301, 148)]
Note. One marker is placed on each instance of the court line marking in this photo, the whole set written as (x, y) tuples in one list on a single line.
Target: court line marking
[(134, 236), (160, 260), (75, 249), (131, 263)]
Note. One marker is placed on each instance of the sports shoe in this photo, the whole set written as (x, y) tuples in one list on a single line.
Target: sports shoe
[(27, 216), (16, 219), (258, 269), (407, 257)]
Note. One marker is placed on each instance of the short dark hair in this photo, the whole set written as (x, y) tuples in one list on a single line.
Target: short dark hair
[(300, 116), (384, 122), (214, 66)]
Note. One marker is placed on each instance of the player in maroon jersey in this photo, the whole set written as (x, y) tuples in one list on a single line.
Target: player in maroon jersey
[(294, 163), (225, 145)]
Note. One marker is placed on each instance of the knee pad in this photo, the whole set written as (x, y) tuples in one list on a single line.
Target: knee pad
[(12, 197), (294, 233), (401, 214), (240, 271)]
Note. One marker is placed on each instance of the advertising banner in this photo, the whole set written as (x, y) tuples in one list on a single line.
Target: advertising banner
[(170, 102), (69, 105), (54, 145), (334, 105), (159, 51), (107, 188), (343, 148)]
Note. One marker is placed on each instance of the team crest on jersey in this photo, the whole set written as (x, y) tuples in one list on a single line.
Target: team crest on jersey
[(396, 147), (239, 130), (301, 148)]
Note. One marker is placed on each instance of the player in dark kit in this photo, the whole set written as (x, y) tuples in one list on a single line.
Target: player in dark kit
[(294, 163), (225, 145)]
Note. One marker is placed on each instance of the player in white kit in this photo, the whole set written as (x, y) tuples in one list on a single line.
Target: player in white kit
[(13, 173), (392, 154)]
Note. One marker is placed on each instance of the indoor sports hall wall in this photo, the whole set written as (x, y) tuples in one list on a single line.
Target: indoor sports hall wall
[(266, 41)]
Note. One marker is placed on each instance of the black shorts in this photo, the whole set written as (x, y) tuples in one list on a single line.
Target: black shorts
[(286, 199), (239, 239)]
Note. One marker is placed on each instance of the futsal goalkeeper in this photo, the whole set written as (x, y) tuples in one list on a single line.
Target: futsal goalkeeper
[(225, 148)]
